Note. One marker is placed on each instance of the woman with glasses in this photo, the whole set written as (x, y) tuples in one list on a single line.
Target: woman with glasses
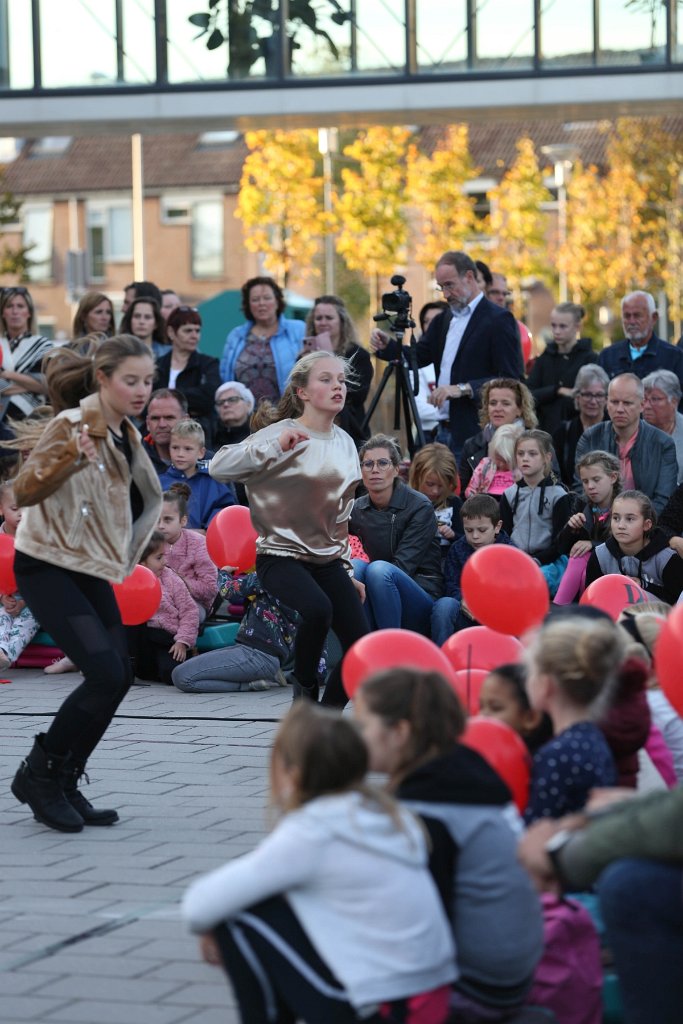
[(590, 401), (553, 374), (234, 406), (329, 326), (22, 385), (261, 352), (193, 373), (398, 530)]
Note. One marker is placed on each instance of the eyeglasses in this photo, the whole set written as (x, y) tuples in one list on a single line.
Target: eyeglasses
[(380, 463), (229, 401), (447, 286), (19, 290), (593, 396)]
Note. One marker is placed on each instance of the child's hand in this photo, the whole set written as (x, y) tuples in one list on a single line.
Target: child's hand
[(14, 606), (576, 521), (87, 446), (446, 531), (208, 947), (178, 651), (582, 547), (291, 437), (230, 569)]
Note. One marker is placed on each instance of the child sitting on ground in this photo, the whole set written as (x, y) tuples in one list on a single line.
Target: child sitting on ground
[(434, 472), (534, 510), (497, 471), (573, 668), (159, 644), (186, 550), (480, 517), (599, 473), (638, 549), (263, 644), (17, 624), (334, 916), (208, 497)]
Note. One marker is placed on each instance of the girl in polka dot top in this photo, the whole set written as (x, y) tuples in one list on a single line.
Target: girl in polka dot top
[(573, 666)]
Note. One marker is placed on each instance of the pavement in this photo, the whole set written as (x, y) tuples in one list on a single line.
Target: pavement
[(90, 928)]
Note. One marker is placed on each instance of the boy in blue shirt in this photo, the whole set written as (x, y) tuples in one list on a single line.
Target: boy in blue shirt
[(208, 497)]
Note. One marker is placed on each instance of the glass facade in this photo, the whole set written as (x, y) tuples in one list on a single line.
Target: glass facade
[(91, 45)]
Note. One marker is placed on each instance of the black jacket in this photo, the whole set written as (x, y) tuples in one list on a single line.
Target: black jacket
[(404, 533), (553, 370), (658, 569), (352, 415), (198, 382)]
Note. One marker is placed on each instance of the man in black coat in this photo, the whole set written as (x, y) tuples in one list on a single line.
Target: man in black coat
[(469, 343)]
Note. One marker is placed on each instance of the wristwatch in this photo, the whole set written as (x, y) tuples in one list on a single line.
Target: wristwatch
[(464, 389)]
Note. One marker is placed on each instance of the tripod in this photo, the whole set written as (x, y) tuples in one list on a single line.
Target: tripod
[(404, 395)]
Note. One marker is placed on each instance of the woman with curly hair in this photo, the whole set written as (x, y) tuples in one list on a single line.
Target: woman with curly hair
[(503, 400), (261, 352)]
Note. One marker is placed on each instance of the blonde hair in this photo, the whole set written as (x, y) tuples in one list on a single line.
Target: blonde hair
[(437, 459), (290, 405), (583, 656), (640, 625), (523, 397), (502, 444), (190, 430)]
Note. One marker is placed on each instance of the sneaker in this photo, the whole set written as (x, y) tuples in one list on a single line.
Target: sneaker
[(259, 684)]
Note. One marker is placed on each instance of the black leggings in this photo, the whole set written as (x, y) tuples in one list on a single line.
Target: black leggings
[(81, 614), (277, 975), (325, 597)]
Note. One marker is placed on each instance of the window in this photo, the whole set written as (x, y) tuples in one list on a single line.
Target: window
[(207, 238), (38, 235), (110, 236), (175, 210)]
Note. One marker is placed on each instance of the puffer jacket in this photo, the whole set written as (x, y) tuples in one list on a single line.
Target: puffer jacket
[(404, 533), (78, 513)]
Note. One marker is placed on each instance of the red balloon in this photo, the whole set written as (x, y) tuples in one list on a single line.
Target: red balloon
[(138, 597), (505, 589), (231, 538), (8, 582), (613, 593), (467, 684), (525, 339), (668, 648), (391, 648), (481, 647), (505, 751)]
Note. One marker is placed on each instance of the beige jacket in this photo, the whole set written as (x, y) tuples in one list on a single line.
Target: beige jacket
[(77, 513)]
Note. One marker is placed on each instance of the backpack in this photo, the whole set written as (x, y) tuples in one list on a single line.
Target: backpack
[(568, 978)]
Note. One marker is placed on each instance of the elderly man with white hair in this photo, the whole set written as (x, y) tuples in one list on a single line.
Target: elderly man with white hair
[(660, 409), (641, 352)]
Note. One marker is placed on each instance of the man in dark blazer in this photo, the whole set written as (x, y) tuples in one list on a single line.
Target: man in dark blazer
[(469, 343), (641, 352)]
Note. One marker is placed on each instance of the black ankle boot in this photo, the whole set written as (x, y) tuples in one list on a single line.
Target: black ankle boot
[(39, 784), (72, 771), (301, 692)]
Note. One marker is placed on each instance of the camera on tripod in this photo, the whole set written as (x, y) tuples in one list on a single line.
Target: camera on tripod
[(396, 306)]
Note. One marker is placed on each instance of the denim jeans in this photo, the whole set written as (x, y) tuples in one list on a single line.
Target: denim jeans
[(227, 670), (642, 906), (444, 613), (392, 599)]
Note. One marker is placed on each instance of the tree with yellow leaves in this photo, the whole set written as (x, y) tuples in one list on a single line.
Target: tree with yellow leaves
[(585, 253), (518, 223), (436, 190), (280, 202), (370, 212)]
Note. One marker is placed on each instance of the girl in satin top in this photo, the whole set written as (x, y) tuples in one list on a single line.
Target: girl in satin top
[(301, 471)]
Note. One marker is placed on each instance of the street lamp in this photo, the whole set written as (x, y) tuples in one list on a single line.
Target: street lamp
[(563, 157)]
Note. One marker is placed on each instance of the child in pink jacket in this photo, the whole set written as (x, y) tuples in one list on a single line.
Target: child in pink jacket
[(162, 642), (186, 550)]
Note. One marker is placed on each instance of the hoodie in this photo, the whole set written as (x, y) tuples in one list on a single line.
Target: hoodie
[(534, 516), (359, 884), (656, 567), (493, 908)]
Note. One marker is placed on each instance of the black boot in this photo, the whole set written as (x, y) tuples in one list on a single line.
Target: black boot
[(39, 784), (72, 771), (301, 692)]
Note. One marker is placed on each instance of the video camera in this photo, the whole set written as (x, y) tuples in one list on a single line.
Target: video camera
[(396, 306)]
